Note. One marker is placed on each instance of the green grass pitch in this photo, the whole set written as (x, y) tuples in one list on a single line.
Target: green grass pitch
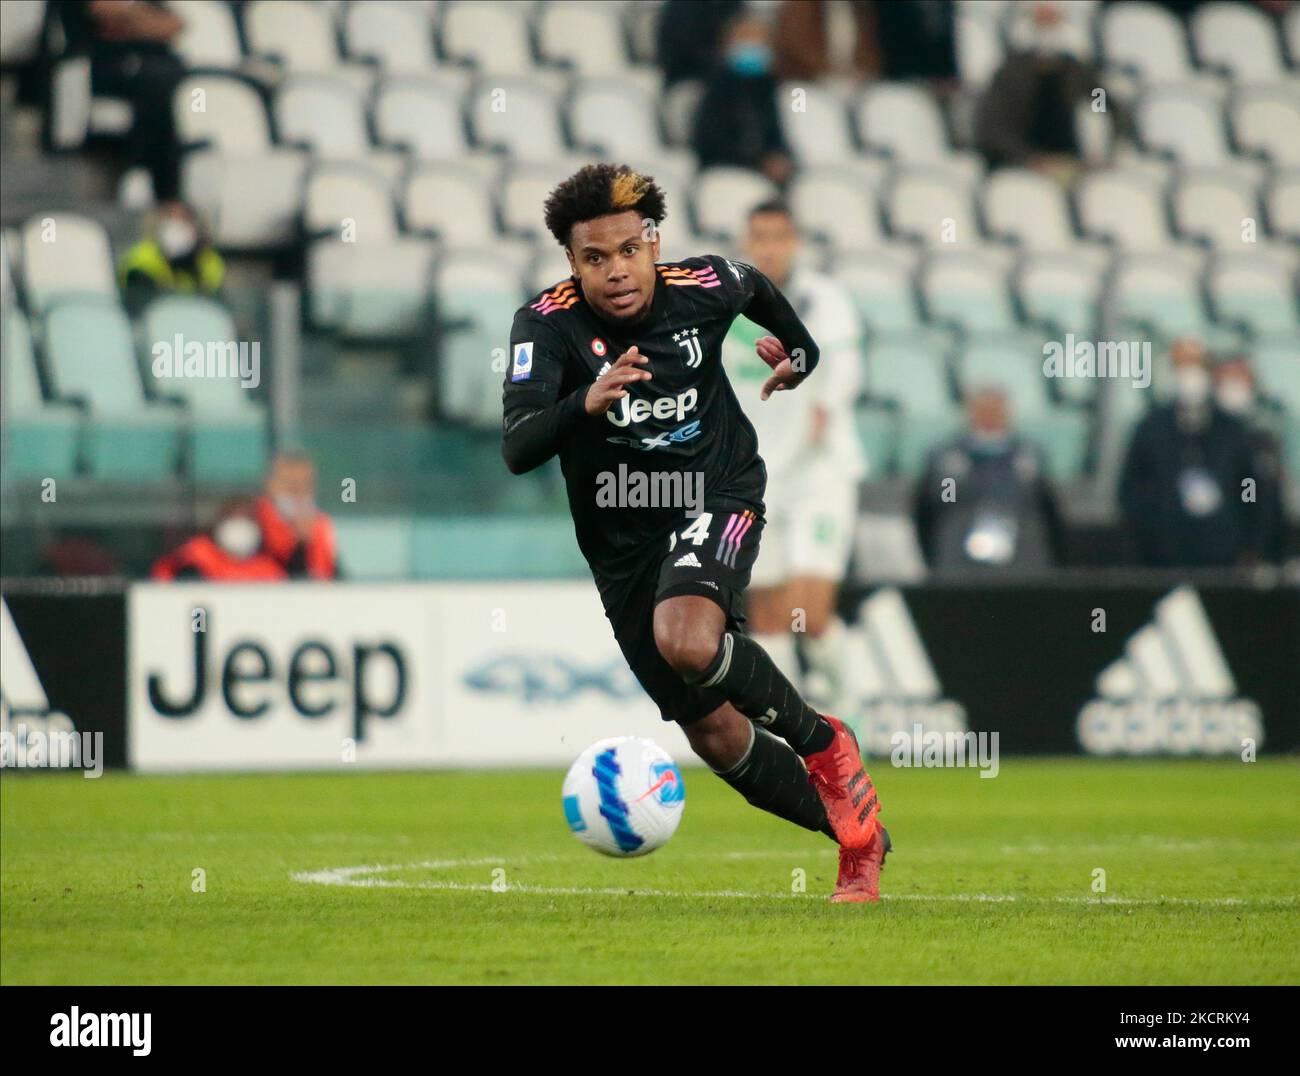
[(992, 881)]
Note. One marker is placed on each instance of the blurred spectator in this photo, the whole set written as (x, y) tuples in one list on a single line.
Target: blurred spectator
[(827, 38), (984, 503), (297, 534), (230, 553), (1234, 391), (1027, 118), (1181, 489), (737, 123), (175, 257), (128, 43), (917, 39), (690, 37)]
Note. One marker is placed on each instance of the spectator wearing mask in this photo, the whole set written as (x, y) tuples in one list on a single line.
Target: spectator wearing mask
[(1235, 393), (297, 534), (737, 123), (1188, 463), (984, 504), (175, 258), (230, 553), (689, 38), (129, 46)]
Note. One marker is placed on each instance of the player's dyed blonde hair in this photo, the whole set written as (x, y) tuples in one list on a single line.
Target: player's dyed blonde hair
[(599, 190)]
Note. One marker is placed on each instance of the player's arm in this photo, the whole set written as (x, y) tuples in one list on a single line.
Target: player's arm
[(791, 351), (536, 420)]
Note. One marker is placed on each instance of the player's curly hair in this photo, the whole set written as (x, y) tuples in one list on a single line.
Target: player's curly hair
[(598, 190)]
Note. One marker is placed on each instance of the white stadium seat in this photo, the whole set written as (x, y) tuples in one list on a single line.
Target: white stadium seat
[(904, 121), (978, 43), (838, 208), (519, 115), (65, 254), (1072, 34), (724, 197), (351, 197), (617, 118), (1282, 203), (818, 133), (1267, 120), (1256, 293), (1239, 38), (1186, 123), (210, 37), (1028, 207), (20, 31), (588, 36), (327, 116), (451, 202), (882, 291), (969, 291), (421, 114), (1125, 208), (302, 37), (1060, 291), (397, 34), (1161, 294), (1145, 37), (493, 37), (935, 207)]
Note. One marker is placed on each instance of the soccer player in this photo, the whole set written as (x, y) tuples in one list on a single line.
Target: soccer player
[(813, 460), (618, 370)]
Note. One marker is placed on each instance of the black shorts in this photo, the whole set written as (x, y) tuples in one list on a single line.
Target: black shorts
[(710, 555)]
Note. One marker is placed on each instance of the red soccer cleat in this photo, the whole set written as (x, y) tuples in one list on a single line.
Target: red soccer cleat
[(859, 880), (845, 788)]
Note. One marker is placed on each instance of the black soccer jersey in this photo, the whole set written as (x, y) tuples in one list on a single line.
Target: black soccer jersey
[(684, 419)]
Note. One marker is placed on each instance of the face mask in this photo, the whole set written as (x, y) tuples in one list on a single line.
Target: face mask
[(177, 238), (239, 536), (749, 61), (1236, 397), (989, 443), (1192, 385), (290, 506)]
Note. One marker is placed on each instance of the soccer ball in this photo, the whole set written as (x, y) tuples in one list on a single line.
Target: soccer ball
[(624, 796)]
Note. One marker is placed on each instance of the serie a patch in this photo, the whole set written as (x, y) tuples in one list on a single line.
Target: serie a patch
[(522, 368)]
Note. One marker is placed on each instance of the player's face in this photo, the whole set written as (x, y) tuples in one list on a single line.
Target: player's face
[(771, 244), (615, 263)]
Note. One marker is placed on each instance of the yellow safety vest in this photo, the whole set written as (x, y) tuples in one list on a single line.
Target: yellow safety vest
[(147, 257)]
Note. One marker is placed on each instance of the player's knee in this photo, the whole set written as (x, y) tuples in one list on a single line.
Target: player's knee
[(688, 649)]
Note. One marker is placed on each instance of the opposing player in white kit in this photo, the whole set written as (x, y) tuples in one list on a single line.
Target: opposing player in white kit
[(815, 465)]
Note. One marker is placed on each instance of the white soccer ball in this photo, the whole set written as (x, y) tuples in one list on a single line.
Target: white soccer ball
[(624, 796)]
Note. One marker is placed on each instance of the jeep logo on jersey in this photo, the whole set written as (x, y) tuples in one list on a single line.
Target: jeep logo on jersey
[(628, 410), (689, 341)]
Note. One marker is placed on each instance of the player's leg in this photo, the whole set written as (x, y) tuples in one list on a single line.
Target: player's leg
[(759, 766), (767, 605)]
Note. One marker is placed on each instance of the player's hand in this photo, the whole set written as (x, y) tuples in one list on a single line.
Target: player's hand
[(612, 384), (784, 375)]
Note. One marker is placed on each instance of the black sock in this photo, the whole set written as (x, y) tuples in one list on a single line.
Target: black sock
[(742, 671), (772, 778)]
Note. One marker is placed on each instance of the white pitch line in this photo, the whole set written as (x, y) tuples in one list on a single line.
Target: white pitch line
[(362, 877)]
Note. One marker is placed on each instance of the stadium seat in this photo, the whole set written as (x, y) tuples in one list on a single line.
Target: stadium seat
[(911, 378), (619, 121), (210, 37), (1214, 205), (818, 133), (326, 116), (20, 32), (724, 197), (42, 435), (1029, 208), (365, 280), (375, 548), (247, 189), (1267, 120), (476, 298), (1278, 374), (520, 116), (1256, 294), (882, 292), (523, 198), (904, 121), (1160, 295), (228, 426), (421, 116), (1060, 292), (1127, 209), (397, 36), (1282, 203), (968, 291), (1073, 34), (587, 38), (979, 47), (451, 203), (935, 207), (492, 37), (1185, 123), (301, 36), (677, 110), (91, 357), (1145, 39), (65, 254), (1240, 39), (835, 208)]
